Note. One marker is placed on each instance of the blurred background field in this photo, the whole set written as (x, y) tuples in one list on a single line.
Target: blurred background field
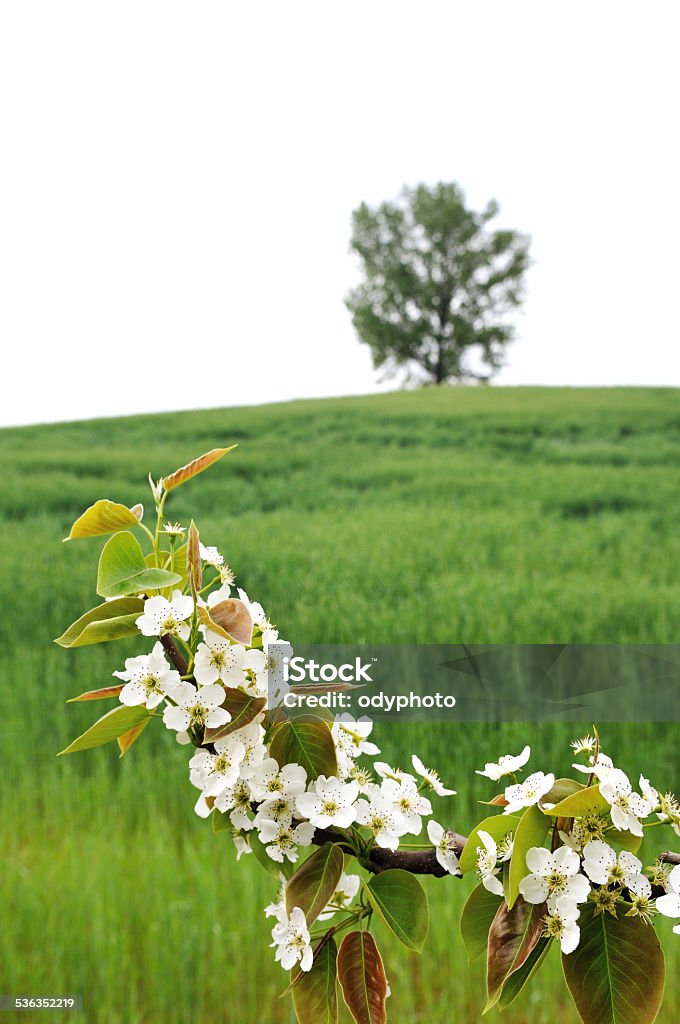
[(477, 515)]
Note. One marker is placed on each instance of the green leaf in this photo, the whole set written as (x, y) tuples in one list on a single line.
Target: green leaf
[(104, 517), (362, 977), (123, 570), (498, 826), (513, 935), (315, 996), (400, 900), (307, 741), (519, 978), (586, 801), (178, 564), (243, 709), (126, 740), (184, 473), (105, 691), (315, 881), (109, 727), (531, 831), (220, 821), (624, 840), (561, 789), (616, 974), (478, 913), (271, 866), (109, 621)]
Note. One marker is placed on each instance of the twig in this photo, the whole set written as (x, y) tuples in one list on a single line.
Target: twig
[(174, 653)]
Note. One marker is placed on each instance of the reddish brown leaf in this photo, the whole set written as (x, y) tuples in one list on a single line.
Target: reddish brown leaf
[(230, 619), (128, 738), (512, 937), (106, 691), (243, 709), (185, 473), (315, 881), (194, 571), (362, 976)]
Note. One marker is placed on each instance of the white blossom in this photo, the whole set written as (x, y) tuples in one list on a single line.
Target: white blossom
[(583, 831), (223, 593), (487, 859), (603, 866), (162, 617), (202, 808), (236, 800), (406, 799), (528, 792), (148, 679), (271, 636), (218, 659), (345, 891), (585, 745), (627, 807), (252, 736), (277, 908), (561, 924), (351, 740), (256, 673), (379, 815), (216, 772), (256, 610), (227, 577), (669, 810), (279, 809), (268, 780), (210, 556), (281, 839), (363, 778), (385, 771), (445, 847), (649, 793), (292, 941), (669, 905), (196, 708), (329, 802), (431, 777), (506, 765), (553, 876), (240, 843), (600, 766)]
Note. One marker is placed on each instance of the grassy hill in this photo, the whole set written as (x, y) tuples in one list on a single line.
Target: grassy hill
[(481, 515)]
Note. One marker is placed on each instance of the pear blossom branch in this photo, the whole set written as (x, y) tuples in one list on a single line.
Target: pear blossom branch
[(417, 862)]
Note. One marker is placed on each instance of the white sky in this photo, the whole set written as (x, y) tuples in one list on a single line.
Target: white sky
[(177, 180)]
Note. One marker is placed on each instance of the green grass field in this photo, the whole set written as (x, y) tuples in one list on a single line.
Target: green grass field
[(476, 515)]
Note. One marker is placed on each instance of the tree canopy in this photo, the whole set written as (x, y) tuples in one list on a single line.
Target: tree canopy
[(439, 284)]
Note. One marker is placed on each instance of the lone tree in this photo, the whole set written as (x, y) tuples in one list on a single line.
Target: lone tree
[(439, 284)]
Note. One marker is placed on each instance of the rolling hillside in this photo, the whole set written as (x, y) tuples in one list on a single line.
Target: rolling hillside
[(477, 515)]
